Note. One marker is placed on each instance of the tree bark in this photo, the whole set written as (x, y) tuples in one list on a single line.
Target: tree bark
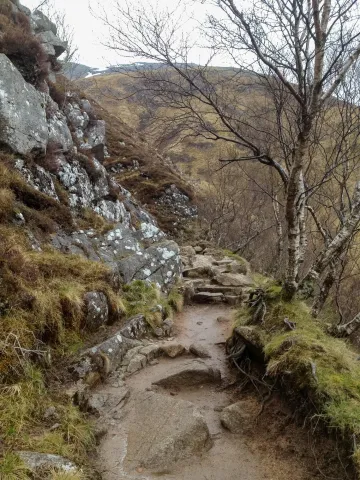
[(348, 328), (324, 292), (295, 216), (338, 244)]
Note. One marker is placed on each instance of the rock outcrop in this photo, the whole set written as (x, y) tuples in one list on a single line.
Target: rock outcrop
[(23, 127), (57, 141)]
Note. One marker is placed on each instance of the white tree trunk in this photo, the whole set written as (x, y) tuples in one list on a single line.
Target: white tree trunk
[(350, 327), (338, 244)]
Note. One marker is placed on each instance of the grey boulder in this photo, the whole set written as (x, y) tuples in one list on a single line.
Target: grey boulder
[(97, 310), (26, 132), (49, 39), (41, 23)]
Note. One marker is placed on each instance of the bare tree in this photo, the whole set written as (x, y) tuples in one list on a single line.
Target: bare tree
[(296, 55)]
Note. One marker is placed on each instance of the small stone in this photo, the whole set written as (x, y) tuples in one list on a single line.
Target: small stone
[(223, 319), (239, 415), (173, 350), (54, 427), (168, 326), (99, 432), (199, 323), (220, 408), (198, 249), (50, 413), (139, 470), (136, 364), (150, 351), (199, 351), (158, 332)]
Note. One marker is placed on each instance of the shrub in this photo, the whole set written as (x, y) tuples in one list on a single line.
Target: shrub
[(86, 160), (57, 92), (24, 50)]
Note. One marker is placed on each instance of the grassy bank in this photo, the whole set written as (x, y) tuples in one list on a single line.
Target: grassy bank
[(311, 364)]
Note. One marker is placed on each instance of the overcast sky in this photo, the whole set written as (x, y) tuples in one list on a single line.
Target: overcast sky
[(89, 31)]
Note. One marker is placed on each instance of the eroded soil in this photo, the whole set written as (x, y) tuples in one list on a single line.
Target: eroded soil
[(272, 446)]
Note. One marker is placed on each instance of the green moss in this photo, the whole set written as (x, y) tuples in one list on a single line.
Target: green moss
[(312, 361), (146, 299)]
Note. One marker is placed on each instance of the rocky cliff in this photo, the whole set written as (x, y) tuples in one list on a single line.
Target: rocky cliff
[(58, 145)]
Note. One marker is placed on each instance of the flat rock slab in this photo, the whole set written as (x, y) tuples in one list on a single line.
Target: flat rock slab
[(233, 280), (163, 430), (208, 297), (99, 403), (189, 374), (219, 289)]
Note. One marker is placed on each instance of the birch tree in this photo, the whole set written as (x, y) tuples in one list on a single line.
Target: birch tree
[(296, 55)]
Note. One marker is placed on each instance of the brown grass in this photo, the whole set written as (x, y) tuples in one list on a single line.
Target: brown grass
[(19, 44)]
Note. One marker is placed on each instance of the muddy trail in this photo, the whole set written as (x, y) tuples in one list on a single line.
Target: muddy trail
[(167, 419)]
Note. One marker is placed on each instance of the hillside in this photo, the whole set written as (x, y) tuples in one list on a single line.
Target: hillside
[(78, 250), (115, 92), (147, 325)]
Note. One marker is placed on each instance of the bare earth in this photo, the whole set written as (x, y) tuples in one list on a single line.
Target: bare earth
[(271, 446)]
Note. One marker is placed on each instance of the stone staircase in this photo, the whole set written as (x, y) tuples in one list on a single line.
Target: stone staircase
[(212, 277)]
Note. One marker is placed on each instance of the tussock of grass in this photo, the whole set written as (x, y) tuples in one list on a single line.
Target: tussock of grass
[(13, 468), (176, 299), (312, 362), (66, 476), (39, 210), (145, 298), (22, 408), (89, 219)]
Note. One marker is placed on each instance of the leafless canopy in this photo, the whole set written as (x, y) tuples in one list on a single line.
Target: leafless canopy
[(289, 101)]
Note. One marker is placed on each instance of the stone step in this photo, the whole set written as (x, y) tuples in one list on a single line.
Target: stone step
[(208, 297), (222, 263), (217, 297), (218, 289)]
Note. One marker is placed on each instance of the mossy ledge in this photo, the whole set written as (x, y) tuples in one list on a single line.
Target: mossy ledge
[(317, 371)]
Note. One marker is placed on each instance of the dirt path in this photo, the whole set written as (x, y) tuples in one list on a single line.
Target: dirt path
[(271, 447)]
